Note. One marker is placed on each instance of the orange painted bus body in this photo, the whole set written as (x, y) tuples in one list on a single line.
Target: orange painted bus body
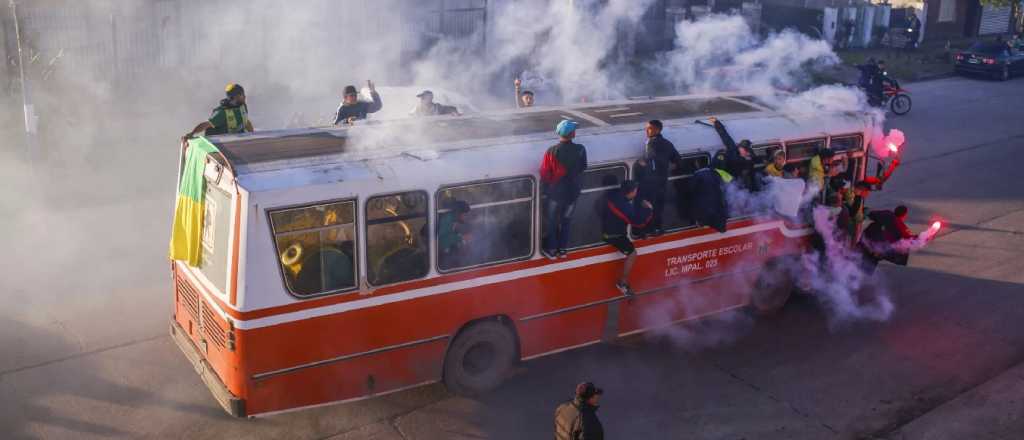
[(302, 363)]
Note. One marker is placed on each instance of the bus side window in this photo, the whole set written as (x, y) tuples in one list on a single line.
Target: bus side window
[(677, 214), (497, 228), (397, 238), (316, 247), (801, 152), (845, 143), (764, 154), (586, 223)]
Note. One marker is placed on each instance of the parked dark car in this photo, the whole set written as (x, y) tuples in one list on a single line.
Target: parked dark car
[(992, 58)]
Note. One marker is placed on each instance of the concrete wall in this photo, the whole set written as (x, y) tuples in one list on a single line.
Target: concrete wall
[(949, 29)]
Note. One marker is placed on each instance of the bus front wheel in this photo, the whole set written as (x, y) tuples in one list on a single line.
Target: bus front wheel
[(773, 287), (480, 358)]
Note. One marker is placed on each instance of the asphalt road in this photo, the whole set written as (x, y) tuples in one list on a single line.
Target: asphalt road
[(85, 352)]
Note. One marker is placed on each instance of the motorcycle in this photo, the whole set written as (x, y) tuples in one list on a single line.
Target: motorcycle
[(896, 98)]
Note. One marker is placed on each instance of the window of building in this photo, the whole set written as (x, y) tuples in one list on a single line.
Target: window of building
[(497, 228), (397, 238), (947, 10), (676, 214), (586, 224), (316, 247)]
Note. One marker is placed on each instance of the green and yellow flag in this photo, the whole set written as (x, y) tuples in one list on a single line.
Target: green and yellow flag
[(187, 229)]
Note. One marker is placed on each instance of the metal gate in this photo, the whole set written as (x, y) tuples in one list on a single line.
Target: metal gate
[(995, 20)]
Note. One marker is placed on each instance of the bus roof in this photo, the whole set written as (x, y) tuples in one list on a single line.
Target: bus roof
[(261, 159)]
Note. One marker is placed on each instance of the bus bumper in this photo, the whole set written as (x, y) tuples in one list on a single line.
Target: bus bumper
[(231, 403)]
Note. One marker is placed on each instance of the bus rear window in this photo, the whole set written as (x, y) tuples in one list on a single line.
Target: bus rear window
[(216, 221), (316, 247)]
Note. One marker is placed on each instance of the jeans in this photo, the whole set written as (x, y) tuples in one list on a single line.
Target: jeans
[(655, 195), (557, 218)]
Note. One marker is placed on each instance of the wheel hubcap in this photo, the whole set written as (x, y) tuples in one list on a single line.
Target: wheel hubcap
[(479, 358)]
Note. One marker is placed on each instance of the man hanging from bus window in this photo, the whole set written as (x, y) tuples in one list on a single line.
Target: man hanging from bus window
[(740, 160), (819, 166), (524, 98), (577, 418), (427, 106), (706, 193), (620, 212), (561, 172), (352, 109), (451, 233), (774, 168), (857, 206), (231, 116), (652, 171)]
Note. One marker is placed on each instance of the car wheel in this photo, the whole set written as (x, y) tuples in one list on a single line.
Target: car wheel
[(480, 358)]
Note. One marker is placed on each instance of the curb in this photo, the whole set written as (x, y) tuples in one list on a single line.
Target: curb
[(933, 77)]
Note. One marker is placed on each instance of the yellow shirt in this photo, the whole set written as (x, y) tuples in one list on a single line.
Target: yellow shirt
[(816, 173), (772, 170)]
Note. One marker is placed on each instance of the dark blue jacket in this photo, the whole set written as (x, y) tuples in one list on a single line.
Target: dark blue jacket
[(620, 212), (659, 154), (706, 194), (359, 109)]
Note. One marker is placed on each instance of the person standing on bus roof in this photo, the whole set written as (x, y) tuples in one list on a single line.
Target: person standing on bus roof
[(352, 109), (231, 116), (619, 213), (740, 160), (524, 98), (652, 171), (577, 418), (561, 173)]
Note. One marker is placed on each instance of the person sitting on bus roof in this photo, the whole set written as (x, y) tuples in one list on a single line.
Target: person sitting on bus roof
[(450, 237), (561, 172), (620, 212), (652, 172), (740, 160), (231, 116), (427, 106), (352, 109), (774, 168), (524, 98)]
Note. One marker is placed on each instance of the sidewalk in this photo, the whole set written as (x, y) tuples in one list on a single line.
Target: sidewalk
[(992, 411)]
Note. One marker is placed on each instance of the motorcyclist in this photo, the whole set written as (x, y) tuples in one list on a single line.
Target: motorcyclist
[(873, 79)]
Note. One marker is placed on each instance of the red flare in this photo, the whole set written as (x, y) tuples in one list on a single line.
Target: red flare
[(936, 226), (893, 148)]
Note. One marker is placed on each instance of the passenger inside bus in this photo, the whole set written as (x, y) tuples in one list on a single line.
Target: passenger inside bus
[(316, 245), (452, 233), (774, 168), (396, 238)]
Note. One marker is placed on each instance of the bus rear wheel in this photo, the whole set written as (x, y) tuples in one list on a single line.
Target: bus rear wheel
[(479, 359), (773, 288)]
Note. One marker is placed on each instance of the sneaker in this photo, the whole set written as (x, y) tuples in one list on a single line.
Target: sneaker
[(551, 255), (563, 254), (624, 288)]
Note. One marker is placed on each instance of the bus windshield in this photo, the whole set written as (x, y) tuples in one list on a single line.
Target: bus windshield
[(216, 215)]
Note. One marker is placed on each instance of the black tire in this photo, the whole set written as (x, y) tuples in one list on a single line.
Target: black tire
[(479, 359), (773, 288), (900, 104)]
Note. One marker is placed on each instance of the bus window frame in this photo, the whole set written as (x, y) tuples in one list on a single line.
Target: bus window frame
[(824, 138), (773, 145), (534, 199), (599, 167), (356, 246), (691, 155), (852, 152), (366, 230)]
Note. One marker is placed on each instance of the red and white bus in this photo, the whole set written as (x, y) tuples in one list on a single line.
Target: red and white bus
[(321, 279)]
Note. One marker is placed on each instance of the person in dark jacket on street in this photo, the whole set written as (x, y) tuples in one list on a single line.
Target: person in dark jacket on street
[(352, 109), (620, 212), (740, 160), (652, 172), (577, 418), (561, 174)]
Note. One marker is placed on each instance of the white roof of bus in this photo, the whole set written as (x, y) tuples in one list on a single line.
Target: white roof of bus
[(282, 159)]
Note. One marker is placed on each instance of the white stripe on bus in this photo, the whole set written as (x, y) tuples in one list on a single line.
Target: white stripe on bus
[(502, 277)]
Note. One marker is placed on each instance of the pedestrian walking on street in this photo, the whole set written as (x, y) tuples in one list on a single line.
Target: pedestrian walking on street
[(577, 418)]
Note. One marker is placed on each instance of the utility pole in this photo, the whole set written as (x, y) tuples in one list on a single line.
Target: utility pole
[(31, 121)]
